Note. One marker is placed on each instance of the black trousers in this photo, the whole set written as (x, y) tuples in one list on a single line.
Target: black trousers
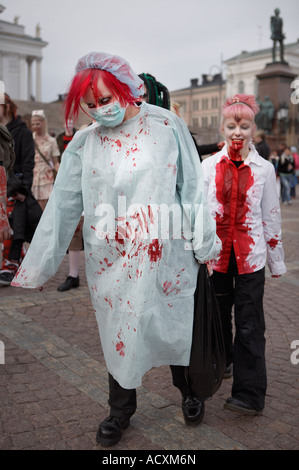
[(123, 402), (247, 350)]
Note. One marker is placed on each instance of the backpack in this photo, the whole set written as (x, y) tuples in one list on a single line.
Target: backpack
[(7, 149)]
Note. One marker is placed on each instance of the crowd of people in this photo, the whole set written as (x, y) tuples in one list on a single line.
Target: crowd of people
[(137, 148), (286, 163)]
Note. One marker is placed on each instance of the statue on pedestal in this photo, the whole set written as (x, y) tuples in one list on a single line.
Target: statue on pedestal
[(277, 35), (264, 119), (37, 31)]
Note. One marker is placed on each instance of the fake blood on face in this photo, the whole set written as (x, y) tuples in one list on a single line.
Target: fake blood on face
[(234, 150)]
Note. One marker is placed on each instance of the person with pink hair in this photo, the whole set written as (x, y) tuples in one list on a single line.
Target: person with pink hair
[(241, 190)]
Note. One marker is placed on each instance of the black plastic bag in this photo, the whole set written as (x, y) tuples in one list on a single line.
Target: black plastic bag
[(207, 359)]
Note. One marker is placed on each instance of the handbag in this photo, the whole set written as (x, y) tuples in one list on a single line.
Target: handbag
[(47, 161), (207, 360)]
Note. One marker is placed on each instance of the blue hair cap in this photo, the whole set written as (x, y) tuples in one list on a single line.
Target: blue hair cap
[(116, 65)]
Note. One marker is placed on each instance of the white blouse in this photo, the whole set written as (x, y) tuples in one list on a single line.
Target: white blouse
[(244, 203)]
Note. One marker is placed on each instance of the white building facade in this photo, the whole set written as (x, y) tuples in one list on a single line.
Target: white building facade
[(241, 70), (20, 58), (201, 103)]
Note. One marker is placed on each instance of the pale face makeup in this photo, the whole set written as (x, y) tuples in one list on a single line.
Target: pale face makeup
[(106, 97), (238, 135), (38, 125)]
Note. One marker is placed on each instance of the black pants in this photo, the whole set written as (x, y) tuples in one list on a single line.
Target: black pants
[(123, 402), (247, 350)]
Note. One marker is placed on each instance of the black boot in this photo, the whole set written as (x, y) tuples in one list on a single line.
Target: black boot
[(69, 284), (110, 431), (193, 410)]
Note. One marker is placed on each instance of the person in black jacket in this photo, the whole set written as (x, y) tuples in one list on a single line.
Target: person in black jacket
[(26, 212), (261, 145), (286, 166)]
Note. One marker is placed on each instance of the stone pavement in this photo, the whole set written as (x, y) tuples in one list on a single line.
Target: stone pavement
[(53, 384)]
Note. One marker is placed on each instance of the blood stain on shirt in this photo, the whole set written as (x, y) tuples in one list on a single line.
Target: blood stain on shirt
[(155, 251), (272, 243)]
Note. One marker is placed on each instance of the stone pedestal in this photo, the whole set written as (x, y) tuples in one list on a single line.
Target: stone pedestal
[(275, 81)]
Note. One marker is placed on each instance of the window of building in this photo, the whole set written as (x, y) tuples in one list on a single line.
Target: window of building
[(204, 121), (204, 103), (215, 102), (195, 105), (214, 121)]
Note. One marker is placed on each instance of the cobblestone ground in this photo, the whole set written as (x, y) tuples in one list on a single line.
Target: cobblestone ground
[(53, 385)]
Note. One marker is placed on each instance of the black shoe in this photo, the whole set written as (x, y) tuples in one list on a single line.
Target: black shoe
[(69, 284), (193, 410), (6, 278), (241, 406), (110, 431), (228, 372)]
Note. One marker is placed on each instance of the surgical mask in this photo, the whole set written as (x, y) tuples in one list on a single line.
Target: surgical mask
[(110, 115)]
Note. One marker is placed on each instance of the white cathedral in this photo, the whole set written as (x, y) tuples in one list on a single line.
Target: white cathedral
[(20, 58)]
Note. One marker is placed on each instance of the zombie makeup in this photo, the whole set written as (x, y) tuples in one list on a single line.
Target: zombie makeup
[(234, 150), (238, 135)]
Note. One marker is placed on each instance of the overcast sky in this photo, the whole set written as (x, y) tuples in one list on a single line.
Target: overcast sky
[(174, 40)]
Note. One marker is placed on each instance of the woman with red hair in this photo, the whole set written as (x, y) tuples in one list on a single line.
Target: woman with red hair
[(241, 190), (123, 171)]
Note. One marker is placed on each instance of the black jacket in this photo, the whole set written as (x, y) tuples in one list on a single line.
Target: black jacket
[(263, 149), (21, 180), (287, 166), (25, 215)]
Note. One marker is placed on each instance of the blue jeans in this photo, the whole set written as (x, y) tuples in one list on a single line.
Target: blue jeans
[(286, 181)]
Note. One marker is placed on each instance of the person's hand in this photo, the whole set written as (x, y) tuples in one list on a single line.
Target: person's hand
[(210, 269), (5, 230), (276, 276), (19, 197), (220, 145)]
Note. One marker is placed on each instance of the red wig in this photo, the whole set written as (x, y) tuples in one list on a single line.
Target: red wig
[(10, 108), (89, 78), (240, 107)]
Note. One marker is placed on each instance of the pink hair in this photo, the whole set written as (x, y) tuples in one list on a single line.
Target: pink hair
[(89, 78), (240, 107)]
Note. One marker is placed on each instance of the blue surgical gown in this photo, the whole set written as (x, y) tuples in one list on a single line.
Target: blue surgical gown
[(146, 226)]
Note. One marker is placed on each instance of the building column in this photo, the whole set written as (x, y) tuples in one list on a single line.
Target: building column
[(38, 79), (23, 78), (29, 91)]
